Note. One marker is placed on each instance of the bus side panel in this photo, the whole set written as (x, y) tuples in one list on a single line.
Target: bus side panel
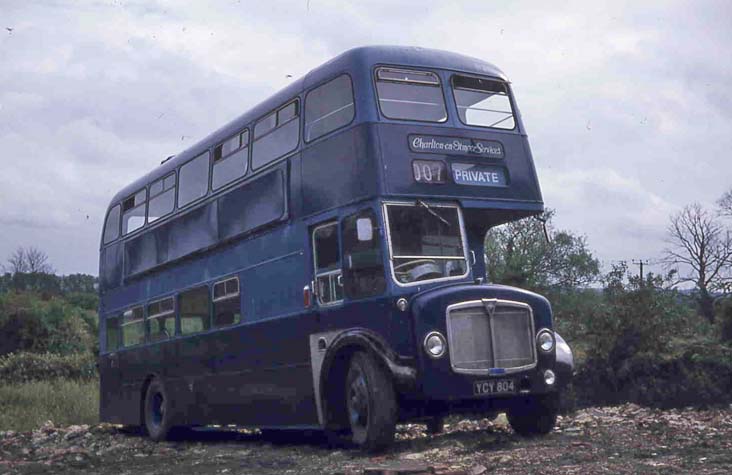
[(338, 170), (260, 371)]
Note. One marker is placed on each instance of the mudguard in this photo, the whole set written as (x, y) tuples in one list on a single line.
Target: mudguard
[(564, 362), (325, 349)]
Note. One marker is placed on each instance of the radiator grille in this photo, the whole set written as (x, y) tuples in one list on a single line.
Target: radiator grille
[(490, 334)]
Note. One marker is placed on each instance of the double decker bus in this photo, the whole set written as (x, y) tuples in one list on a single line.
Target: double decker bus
[(318, 262)]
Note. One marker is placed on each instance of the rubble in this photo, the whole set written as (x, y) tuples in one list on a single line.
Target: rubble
[(621, 439)]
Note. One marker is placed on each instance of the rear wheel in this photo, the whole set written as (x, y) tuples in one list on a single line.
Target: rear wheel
[(435, 425), (536, 415), (370, 403), (157, 411)]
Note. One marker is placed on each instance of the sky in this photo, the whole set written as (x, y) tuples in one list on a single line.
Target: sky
[(628, 104)]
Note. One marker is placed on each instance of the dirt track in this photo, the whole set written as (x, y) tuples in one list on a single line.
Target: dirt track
[(625, 439)]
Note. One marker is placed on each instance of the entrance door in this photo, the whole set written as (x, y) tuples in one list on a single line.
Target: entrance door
[(327, 266)]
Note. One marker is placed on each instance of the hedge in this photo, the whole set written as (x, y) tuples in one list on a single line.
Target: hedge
[(26, 367)]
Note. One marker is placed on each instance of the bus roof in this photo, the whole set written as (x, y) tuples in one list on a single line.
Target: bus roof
[(361, 59)]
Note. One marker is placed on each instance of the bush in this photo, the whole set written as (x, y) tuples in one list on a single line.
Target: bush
[(700, 376), (26, 367), (628, 318), (24, 407), (30, 323)]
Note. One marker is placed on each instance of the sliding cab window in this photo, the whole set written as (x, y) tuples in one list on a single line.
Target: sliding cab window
[(113, 337), (161, 319), (410, 95), (230, 159), (426, 242), (193, 306), (133, 327), (133, 212), (162, 198), (328, 107), (193, 180), (226, 303), (328, 279), (363, 266), (276, 135), (111, 226), (483, 102)]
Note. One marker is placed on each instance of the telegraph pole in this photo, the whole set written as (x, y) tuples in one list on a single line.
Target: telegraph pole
[(641, 263)]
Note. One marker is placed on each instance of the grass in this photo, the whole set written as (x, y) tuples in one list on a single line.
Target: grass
[(25, 406)]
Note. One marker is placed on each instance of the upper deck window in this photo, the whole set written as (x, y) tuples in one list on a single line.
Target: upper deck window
[(162, 198), (111, 227), (230, 159), (483, 102), (133, 212), (410, 95), (328, 107), (193, 180), (426, 242), (276, 135)]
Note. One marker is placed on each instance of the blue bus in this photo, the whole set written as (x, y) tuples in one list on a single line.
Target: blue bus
[(318, 262)]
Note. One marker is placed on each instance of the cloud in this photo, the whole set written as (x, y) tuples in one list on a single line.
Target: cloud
[(627, 103)]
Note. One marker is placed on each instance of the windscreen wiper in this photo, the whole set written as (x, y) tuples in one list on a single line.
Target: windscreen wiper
[(433, 212)]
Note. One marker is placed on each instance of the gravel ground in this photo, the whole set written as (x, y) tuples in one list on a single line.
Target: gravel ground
[(623, 439)]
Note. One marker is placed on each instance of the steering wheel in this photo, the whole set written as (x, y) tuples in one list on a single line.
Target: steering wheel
[(418, 269)]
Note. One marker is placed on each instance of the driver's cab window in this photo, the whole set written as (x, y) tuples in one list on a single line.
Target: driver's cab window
[(326, 256)]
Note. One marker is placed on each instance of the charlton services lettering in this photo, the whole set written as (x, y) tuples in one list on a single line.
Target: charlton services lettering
[(476, 175), (454, 145)]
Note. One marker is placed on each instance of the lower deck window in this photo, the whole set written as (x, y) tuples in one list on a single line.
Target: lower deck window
[(161, 319), (113, 336), (226, 303), (194, 310), (133, 327)]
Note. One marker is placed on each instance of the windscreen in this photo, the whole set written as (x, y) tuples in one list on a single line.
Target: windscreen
[(483, 102), (426, 242)]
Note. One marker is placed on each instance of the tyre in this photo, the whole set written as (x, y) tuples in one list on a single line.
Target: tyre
[(158, 416), (534, 416), (435, 425), (370, 404)]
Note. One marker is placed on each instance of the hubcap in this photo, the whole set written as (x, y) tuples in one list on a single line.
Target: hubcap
[(358, 401), (158, 409)]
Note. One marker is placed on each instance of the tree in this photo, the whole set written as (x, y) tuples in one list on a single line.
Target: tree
[(30, 261), (725, 204), (518, 254), (700, 244), (17, 262)]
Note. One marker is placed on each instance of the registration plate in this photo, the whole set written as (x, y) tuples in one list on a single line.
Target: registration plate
[(493, 387)]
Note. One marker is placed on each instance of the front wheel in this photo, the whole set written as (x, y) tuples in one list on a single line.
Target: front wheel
[(370, 403), (535, 415)]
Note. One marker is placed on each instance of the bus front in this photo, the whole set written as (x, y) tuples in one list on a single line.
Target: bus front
[(455, 162)]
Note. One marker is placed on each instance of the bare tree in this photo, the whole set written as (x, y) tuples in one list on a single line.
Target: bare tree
[(725, 204), (17, 262), (29, 260), (701, 245), (38, 261)]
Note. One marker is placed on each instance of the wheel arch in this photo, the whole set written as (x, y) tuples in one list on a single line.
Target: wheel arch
[(335, 367)]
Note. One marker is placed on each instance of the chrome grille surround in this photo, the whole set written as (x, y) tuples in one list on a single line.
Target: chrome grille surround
[(508, 328)]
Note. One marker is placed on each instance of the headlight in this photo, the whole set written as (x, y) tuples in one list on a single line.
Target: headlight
[(549, 377), (545, 340), (435, 344)]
